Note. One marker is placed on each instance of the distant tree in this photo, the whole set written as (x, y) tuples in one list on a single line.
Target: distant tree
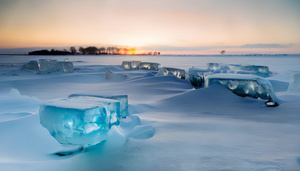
[(222, 52), (108, 50), (91, 50), (82, 50), (102, 50), (118, 50), (125, 50), (73, 50)]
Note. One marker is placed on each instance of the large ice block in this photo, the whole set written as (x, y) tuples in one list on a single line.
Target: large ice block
[(47, 66), (123, 99), (244, 85), (131, 64), (31, 65), (196, 76), (149, 65), (295, 83), (81, 121), (164, 71), (65, 66), (257, 69)]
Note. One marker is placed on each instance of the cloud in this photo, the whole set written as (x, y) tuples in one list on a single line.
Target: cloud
[(180, 48), (267, 45)]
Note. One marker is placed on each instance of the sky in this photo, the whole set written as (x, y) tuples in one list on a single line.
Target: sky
[(175, 27)]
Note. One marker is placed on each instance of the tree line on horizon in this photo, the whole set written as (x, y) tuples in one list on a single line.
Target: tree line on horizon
[(90, 50)]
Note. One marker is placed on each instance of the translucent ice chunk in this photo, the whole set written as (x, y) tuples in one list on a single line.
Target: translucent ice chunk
[(164, 71), (196, 76), (65, 66), (295, 83), (123, 99), (223, 69), (256, 69), (81, 121), (131, 64), (213, 66), (31, 65), (244, 85), (47, 66), (149, 65)]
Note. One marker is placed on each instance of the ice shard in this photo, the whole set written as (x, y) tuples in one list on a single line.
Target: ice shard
[(109, 75), (80, 121), (196, 76), (65, 66), (244, 85), (123, 99), (149, 65), (131, 64), (164, 71), (295, 83)]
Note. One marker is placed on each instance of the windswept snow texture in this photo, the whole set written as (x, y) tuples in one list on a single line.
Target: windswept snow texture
[(170, 124)]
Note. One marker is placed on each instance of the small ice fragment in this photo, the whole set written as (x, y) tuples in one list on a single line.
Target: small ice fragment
[(295, 83), (123, 99), (164, 71), (117, 76), (149, 65), (131, 64), (81, 121), (213, 66), (151, 74), (244, 85)]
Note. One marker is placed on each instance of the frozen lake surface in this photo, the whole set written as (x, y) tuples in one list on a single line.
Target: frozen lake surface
[(194, 129)]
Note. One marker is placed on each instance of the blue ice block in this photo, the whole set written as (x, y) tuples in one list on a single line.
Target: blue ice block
[(81, 121), (123, 99), (244, 85)]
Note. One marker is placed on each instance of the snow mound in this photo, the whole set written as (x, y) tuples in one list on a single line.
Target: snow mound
[(14, 102), (215, 98)]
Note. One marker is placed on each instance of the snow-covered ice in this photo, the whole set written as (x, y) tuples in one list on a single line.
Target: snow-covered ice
[(170, 125)]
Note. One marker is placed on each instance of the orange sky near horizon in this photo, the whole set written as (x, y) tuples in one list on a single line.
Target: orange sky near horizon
[(145, 24)]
